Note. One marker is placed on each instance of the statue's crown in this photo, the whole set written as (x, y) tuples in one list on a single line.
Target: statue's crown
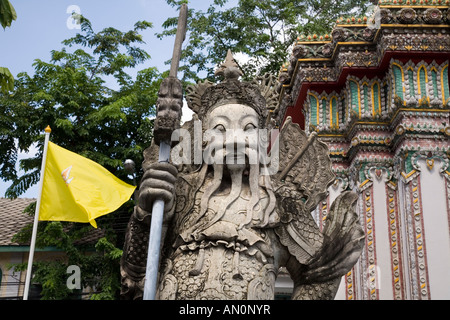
[(205, 96)]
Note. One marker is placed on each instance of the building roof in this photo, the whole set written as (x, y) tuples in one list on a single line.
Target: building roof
[(363, 46), (12, 218)]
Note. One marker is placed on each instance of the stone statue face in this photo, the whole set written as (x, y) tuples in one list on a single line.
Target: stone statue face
[(234, 129), (235, 134)]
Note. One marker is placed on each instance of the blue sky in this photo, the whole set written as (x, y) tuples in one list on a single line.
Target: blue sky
[(42, 25)]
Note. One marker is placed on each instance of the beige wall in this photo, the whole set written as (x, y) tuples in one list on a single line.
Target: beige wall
[(12, 283)]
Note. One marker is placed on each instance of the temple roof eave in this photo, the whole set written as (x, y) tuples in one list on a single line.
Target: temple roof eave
[(365, 51)]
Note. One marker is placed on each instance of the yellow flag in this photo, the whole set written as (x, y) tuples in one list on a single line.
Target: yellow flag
[(77, 189)]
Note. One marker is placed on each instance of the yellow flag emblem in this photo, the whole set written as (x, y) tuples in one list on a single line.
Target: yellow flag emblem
[(78, 189)]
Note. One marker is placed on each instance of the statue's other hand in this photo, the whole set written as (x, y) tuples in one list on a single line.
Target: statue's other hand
[(158, 182)]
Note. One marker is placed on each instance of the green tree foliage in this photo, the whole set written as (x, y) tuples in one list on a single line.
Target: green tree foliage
[(98, 261), (96, 109), (262, 30), (72, 93), (7, 13), (7, 16), (6, 80)]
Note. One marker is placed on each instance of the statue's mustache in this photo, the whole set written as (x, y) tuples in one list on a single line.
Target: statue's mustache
[(238, 155)]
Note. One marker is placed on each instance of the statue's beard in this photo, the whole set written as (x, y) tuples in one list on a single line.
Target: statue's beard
[(235, 174)]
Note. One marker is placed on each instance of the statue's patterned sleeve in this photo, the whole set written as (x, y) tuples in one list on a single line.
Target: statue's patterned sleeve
[(318, 258)]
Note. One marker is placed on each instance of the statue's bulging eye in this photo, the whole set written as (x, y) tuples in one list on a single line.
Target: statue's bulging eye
[(220, 127), (249, 126)]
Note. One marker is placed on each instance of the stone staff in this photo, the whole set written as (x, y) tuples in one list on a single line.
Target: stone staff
[(168, 116)]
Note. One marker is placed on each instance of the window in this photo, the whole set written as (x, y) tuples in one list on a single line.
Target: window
[(423, 79), (376, 99), (366, 98), (434, 82), (314, 102), (355, 101), (334, 115), (324, 111), (412, 92), (398, 80), (387, 97), (444, 84)]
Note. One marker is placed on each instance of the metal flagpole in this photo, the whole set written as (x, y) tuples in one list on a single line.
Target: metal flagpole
[(36, 216), (151, 273)]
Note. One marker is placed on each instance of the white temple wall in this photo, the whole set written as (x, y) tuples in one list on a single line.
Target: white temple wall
[(436, 225), (383, 263), (407, 225), (409, 254)]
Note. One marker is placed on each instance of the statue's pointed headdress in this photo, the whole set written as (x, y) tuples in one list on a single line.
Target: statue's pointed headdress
[(259, 94), (229, 69)]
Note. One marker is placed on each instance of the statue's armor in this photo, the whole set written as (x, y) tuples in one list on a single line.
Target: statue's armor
[(242, 259), (222, 260)]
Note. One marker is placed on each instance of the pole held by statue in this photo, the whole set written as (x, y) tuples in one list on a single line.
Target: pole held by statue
[(168, 117)]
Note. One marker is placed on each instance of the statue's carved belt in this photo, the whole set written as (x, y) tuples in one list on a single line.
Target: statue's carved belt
[(237, 246)]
